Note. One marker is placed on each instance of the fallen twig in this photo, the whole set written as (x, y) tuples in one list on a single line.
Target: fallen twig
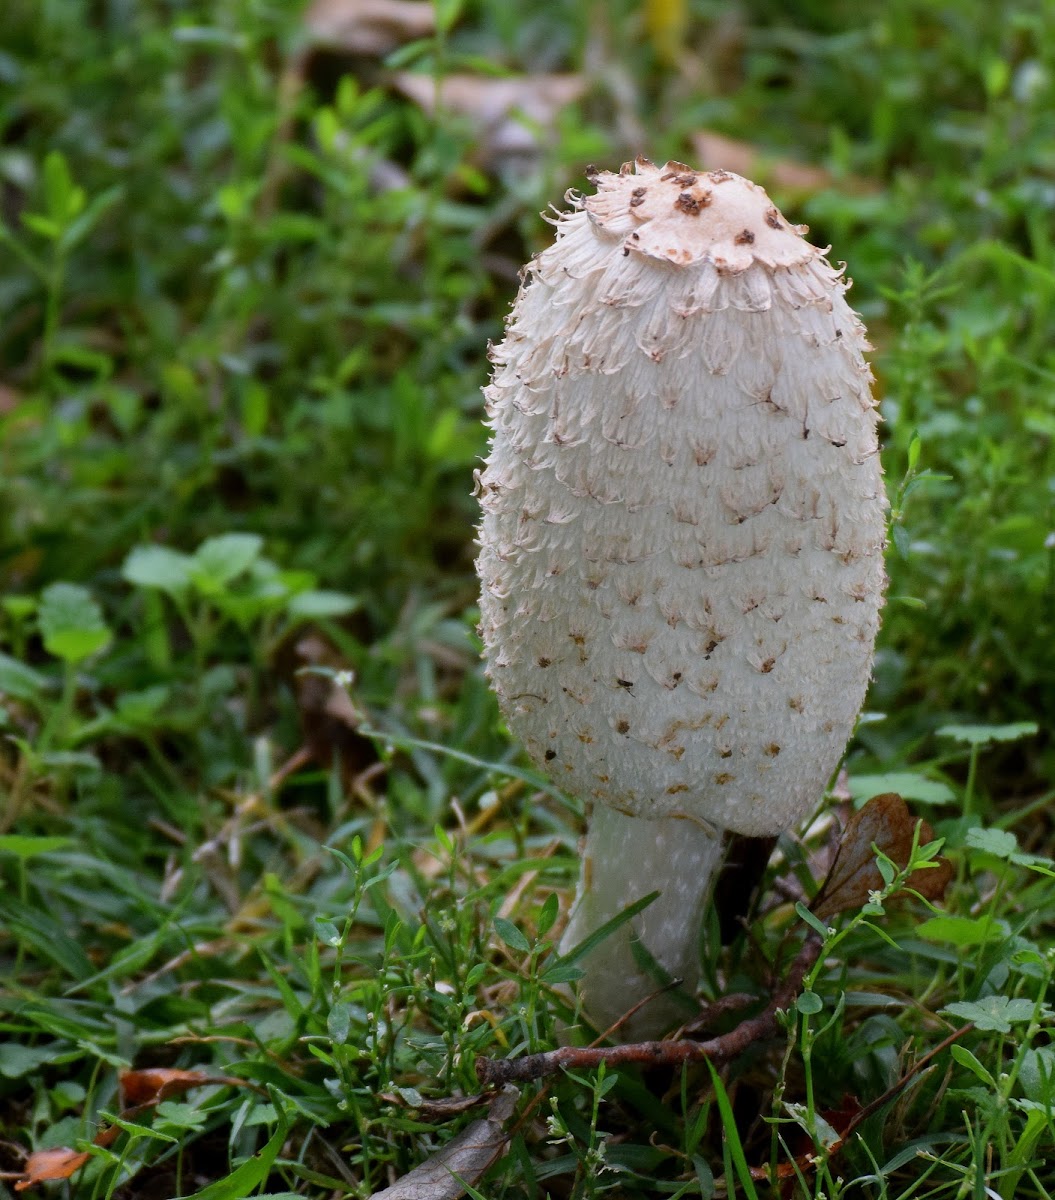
[(497, 1072)]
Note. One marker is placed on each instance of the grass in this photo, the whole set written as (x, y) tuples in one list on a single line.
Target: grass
[(259, 816)]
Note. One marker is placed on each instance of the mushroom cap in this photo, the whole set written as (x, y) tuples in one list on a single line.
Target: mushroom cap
[(681, 551), (685, 217)]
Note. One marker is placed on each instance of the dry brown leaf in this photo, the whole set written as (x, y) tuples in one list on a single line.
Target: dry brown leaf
[(329, 718), (9, 399), (151, 1086), (886, 823), (462, 1161), (508, 113), (60, 1163), (141, 1090), (715, 150), (439, 1108), (372, 28)]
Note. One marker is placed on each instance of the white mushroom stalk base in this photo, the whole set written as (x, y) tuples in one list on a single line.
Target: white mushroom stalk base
[(624, 859)]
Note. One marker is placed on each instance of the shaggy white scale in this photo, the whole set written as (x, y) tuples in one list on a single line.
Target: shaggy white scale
[(681, 551)]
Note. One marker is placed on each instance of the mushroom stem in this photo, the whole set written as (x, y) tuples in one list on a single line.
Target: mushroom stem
[(624, 859)]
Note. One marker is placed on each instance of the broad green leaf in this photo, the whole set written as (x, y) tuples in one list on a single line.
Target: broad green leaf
[(178, 1114), (18, 607), (548, 915), (71, 760), (512, 936), (818, 1129), (219, 560), (562, 973), (20, 681), (327, 932), (1002, 844), (140, 709), (966, 1059), (339, 1023), (997, 842), (906, 784), (476, 975), (71, 622), (158, 567), (62, 197), (1038, 1074), (318, 605), (914, 447), (811, 919), (17, 1061), (994, 1013), (982, 735), (961, 931)]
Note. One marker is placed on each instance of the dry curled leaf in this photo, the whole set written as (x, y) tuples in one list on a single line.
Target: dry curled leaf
[(512, 115), (329, 718), (9, 399), (59, 1163), (885, 823), (372, 28), (155, 1084), (440, 1108), (731, 154), (462, 1161), (141, 1090)]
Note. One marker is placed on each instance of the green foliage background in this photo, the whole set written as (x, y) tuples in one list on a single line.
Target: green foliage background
[(246, 289)]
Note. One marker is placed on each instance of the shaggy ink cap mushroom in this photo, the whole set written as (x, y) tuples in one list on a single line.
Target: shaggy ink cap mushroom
[(681, 549)]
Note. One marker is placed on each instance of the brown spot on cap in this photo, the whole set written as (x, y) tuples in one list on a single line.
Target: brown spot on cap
[(723, 778), (622, 726), (744, 238), (688, 203), (772, 750), (675, 788), (719, 176), (773, 218), (550, 755)]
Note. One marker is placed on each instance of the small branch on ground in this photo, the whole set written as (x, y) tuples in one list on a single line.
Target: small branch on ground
[(495, 1073)]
